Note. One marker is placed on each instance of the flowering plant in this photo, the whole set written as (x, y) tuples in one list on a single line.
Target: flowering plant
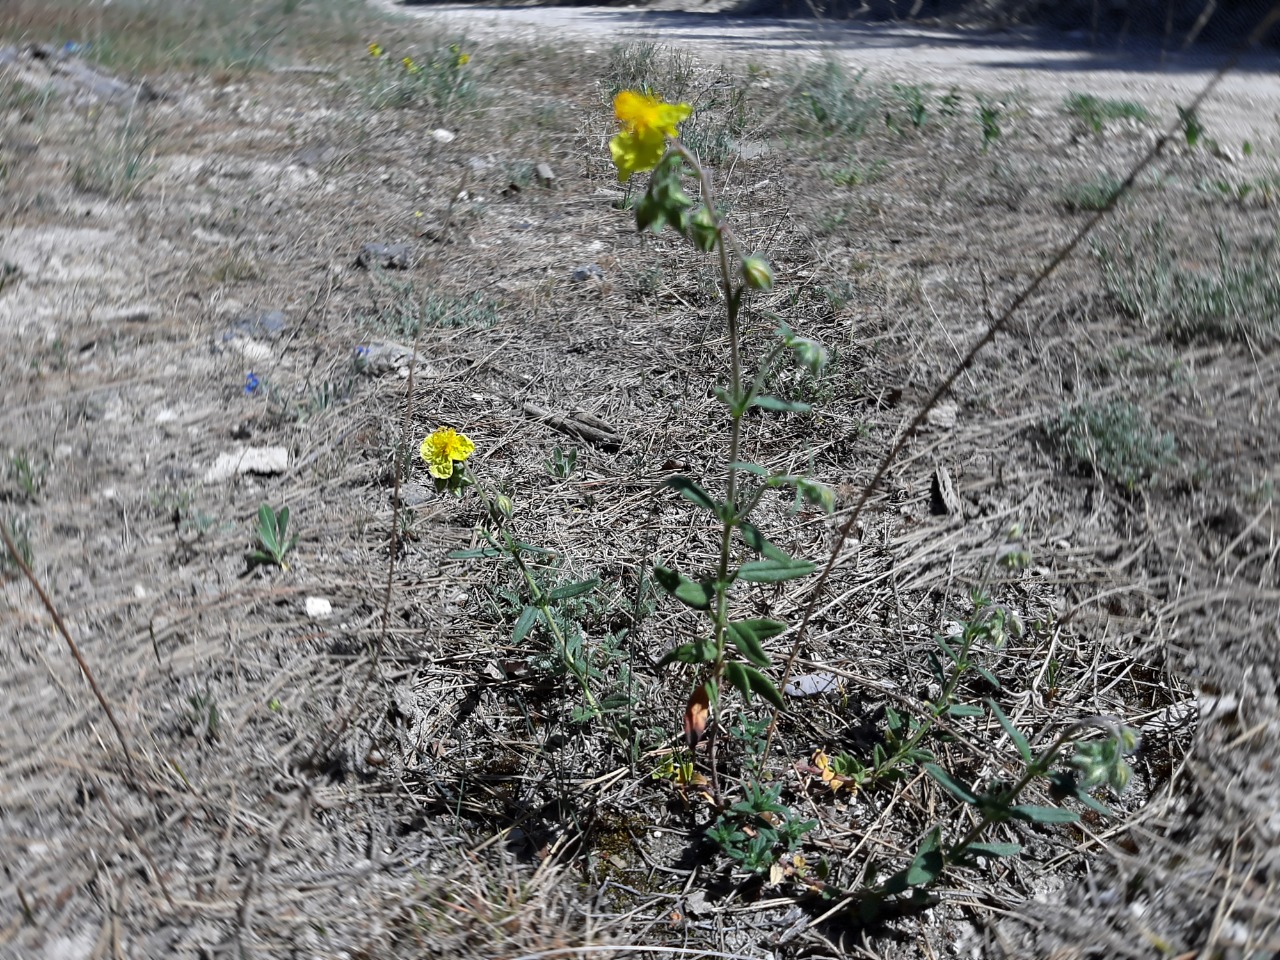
[(732, 650)]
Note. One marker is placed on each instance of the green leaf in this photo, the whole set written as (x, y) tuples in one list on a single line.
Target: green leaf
[(964, 710), (688, 592), (701, 651), (1039, 814), (565, 591), (530, 548), (944, 778), (1019, 741), (764, 686), (694, 494), (736, 674), (529, 617), (745, 467), (748, 635), (774, 571), (987, 675), (282, 522), (474, 554), (928, 864), (994, 849), (941, 641), (777, 403), (760, 544)]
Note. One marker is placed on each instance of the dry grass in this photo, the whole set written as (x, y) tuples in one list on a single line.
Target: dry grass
[(404, 779)]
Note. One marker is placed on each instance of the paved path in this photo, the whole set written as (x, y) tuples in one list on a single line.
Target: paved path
[(1246, 106)]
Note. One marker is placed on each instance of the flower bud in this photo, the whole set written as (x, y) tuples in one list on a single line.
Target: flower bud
[(757, 272)]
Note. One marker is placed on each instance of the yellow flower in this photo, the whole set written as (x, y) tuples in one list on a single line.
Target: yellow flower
[(646, 122), (442, 449), (410, 65), (462, 59), (375, 49)]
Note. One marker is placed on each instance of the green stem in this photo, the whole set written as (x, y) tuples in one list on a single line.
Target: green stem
[(730, 519)]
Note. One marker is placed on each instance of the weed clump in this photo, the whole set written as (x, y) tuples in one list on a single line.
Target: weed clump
[(1233, 296), (1116, 440)]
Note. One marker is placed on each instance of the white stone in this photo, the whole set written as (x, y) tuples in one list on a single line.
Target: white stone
[(261, 460), (318, 608), (443, 136)]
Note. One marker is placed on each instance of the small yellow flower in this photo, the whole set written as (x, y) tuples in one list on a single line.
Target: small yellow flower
[(646, 122), (462, 60), (410, 65), (442, 449), (375, 49)]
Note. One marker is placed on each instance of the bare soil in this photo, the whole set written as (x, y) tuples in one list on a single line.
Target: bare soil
[(184, 280)]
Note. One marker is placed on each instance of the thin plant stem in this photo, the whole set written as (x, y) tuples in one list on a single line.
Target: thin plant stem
[(71, 645)]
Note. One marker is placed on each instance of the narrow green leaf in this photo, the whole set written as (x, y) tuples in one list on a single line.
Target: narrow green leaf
[(928, 864), (774, 571), (694, 494), (736, 674), (1039, 814), (567, 590), (941, 641), (745, 467), (529, 617), (783, 406), (987, 675), (1019, 741), (944, 778), (764, 686), (964, 710), (994, 849), (701, 651), (282, 522), (530, 548), (748, 635), (760, 544), (475, 554), (688, 592)]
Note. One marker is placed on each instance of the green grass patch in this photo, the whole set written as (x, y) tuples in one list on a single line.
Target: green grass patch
[(1115, 440), (1229, 292), (1096, 112)]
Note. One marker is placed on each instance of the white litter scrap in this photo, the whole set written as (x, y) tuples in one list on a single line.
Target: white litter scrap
[(812, 685)]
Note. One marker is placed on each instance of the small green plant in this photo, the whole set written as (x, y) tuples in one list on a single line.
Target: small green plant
[(1088, 764), (1192, 129), (1264, 190), (989, 121), (1095, 112), (20, 532), (859, 174), (837, 102), (118, 170), (916, 101), (203, 719), (758, 829), (1092, 195), (648, 65), (401, 311), (1234, 295), (27, 475), (1116, 440), (440, 79), (274, 542), (561, 463)]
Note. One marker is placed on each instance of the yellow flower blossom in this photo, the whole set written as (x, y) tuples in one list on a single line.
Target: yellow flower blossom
[(646, 122), (410, 65), (462, 59), (375, 49), (442, 449)]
